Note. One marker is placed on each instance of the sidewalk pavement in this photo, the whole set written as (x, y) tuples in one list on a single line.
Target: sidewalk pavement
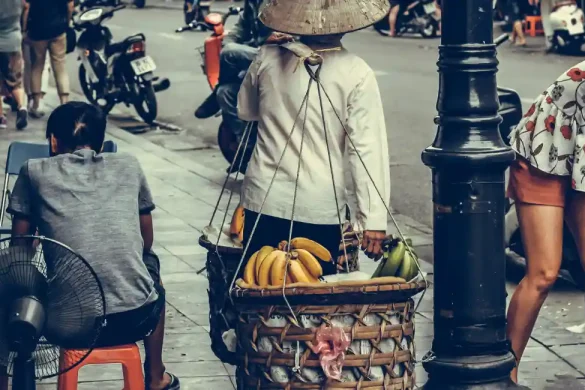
[(185, 192)]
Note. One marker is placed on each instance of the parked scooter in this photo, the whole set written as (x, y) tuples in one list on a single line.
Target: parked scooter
[(196, 11), (120, 72), (567, 21), (419, 17), (571, 269), (210, 54)]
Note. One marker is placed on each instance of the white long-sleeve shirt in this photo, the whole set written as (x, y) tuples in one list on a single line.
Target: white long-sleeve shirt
[(272, 93)]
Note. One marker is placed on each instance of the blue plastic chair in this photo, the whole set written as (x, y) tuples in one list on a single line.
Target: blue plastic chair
[(21, 152), (18, 154)]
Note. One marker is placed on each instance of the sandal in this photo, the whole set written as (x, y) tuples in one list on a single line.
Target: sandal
[(175, 384)]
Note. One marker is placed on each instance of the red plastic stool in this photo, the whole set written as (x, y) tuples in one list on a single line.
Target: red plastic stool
[(534, 25), (127, 355)]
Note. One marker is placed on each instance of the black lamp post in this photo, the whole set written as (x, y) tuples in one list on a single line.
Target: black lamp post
[(468, 159)]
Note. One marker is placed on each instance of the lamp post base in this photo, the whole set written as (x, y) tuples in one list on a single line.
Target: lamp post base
[(471, 373)]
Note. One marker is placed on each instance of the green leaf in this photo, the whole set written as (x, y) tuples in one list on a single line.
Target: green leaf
[(538, 149), (570, 104), (564, 157)]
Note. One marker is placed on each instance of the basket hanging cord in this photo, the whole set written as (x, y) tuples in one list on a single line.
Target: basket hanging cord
[(320, 86), (245, 138), (248, 241)]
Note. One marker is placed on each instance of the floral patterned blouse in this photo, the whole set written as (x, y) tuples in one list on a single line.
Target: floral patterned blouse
[(551, 135)]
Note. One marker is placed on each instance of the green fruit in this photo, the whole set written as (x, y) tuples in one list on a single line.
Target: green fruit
[(380, 266), (406, 267), (394, 260)]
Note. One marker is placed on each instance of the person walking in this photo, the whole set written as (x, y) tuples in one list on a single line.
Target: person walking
[(547, 184), (11, 60), (272, 93), (45, 23), (515, 16)]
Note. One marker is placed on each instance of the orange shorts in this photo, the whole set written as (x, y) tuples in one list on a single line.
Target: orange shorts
[(529, 185)]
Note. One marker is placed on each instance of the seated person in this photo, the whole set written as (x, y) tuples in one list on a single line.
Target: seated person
[(100, 205)]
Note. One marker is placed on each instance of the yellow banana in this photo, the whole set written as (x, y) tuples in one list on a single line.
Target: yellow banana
[(296, 272), (264, 274), (237, 224), (250, 270), (277, 269), (262, 254), (289, 279), (242, 284), (309, 262), (314, 247)]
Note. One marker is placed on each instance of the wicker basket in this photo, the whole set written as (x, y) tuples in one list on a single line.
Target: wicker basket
[(378, 320), (222, 315)]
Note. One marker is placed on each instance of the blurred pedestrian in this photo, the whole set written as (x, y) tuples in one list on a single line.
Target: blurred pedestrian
[(45, 23), (514, 14), (438, 15), (11, 60), (28, 57), (396, 6)]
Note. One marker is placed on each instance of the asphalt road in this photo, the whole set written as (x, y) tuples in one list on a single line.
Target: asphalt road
[(407, 75)]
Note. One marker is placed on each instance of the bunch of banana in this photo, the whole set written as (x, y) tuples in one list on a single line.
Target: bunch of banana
[(237, 225), (399, 260), (273, 266)]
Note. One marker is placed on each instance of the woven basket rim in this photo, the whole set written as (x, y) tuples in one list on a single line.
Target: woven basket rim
[(413, 288), (223, 250)]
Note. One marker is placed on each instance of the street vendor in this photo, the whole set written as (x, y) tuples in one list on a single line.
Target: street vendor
[(272, 93)]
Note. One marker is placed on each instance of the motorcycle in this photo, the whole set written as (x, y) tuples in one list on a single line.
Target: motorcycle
[(87, 4), (568, 23), (119, 72), (210, 55), (571, 269), (418, 17), (196, 11)]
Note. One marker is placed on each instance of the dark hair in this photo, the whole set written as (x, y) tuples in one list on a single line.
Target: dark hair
[(77, 124)]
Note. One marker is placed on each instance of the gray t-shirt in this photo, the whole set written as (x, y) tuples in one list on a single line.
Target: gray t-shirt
[(10, 36), (91, 202)]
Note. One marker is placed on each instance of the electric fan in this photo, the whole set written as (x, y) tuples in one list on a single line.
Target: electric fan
[(50, 299)]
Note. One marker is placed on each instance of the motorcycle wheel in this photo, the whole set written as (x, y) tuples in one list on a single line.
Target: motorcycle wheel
[(430, 29), (90, 92), (144, 101), (139, 3)]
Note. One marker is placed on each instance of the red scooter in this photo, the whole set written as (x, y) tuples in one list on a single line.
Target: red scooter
[(210, 54)]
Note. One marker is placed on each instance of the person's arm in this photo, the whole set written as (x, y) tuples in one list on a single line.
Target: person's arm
[(248, 97), (70, 9), (145, 208), (20, 205), (367, 131), (25, 11), (241, 32)]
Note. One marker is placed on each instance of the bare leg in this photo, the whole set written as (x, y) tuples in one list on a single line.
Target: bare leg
[(153, 346), (392, 19), (519, 32), (542, 235), (574, 216)]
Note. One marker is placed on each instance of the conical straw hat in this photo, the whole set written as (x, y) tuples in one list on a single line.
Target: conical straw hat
[(321, 17)]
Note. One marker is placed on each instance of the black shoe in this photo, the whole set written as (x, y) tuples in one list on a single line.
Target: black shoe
[(208, 108), (21, 119)]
